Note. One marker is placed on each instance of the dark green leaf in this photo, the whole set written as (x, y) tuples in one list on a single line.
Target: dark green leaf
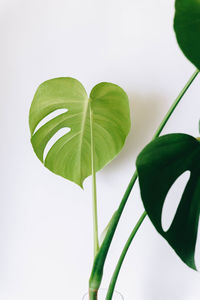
[(159, 165), (187, 28)]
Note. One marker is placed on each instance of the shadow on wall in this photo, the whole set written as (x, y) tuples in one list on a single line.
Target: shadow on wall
[(146, 115)]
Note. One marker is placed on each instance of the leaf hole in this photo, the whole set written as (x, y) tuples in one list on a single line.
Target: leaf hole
[(49, 117), (173, 199), (60, 133)]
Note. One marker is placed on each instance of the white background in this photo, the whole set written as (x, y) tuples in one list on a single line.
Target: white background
[(45, 221)]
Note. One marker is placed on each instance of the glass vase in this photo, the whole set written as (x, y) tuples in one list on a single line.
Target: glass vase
[(102, 295)]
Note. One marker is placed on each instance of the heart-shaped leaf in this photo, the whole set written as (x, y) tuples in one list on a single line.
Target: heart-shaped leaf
[(159, 165), (104, 117), (187, 28)]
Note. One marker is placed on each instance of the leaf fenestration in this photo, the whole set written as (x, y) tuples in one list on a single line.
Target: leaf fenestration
[(159, 165), (70, 156)]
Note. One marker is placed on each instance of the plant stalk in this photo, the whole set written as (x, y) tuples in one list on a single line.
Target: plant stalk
[(175, 103), (94, 190), (122, 256), (99, 261), (93, 295), (141, 219)]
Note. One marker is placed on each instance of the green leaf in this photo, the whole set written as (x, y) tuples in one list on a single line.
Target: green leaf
[(159, 165), (70, 156), (187, 28)]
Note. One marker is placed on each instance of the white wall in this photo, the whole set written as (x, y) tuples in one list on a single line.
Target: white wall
[(45, 221)]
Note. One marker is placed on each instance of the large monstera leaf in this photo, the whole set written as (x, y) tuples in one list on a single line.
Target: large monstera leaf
[(159, 165), (102, 119), (187, 28)]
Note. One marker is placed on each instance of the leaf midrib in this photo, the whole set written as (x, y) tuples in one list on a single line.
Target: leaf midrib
[(83, 123)]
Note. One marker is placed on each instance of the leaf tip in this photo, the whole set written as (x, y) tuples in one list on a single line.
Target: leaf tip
[(192, 265), (80, 184)]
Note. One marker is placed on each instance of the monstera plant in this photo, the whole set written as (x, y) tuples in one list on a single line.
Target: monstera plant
[(168, 157), (97, 126)]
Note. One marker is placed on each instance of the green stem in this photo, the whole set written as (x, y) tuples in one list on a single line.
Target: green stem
[(122, 256), (93, 295), (94, 191), (141, 219), (99, 261), (174, 105)]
